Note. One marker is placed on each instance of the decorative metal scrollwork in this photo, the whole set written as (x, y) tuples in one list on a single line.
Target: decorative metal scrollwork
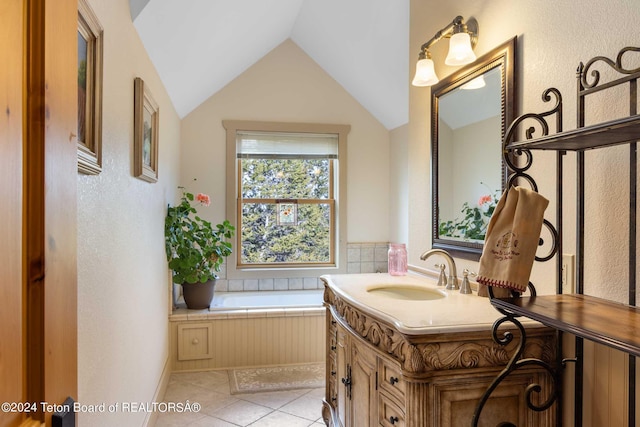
[(518, 169), (517, 362), (583, 70), (513, 158), (519, 161), (555, 243)]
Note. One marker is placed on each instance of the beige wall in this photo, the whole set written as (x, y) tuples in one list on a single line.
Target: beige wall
[(553, 37), (288, 86), (122, 273), (399, 185)]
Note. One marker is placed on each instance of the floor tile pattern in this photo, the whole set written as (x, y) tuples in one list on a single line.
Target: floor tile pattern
[(291, 408)]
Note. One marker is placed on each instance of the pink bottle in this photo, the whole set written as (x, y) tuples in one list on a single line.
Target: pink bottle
[(397, 259)]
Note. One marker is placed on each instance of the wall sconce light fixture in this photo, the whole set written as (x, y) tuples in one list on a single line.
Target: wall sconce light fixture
[(463, 39)]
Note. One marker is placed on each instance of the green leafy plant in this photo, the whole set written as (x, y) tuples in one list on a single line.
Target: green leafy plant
[(195, 248), (473, 225)]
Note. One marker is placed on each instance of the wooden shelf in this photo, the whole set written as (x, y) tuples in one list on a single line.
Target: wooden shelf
[(605, 134), (596, 319)]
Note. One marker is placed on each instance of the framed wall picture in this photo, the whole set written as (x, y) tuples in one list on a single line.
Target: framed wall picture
[(89, 132), (145, 138)]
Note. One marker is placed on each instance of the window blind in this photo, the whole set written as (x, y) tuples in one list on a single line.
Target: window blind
[(261, 145)]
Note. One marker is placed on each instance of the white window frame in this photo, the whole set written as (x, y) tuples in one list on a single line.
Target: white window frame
[(232, 127)]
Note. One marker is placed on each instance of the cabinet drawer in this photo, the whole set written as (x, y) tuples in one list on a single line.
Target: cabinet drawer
[(195, 341), (390, 378), (389, 414)]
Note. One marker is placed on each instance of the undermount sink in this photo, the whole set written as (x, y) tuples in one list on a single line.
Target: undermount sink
[(413, 293)]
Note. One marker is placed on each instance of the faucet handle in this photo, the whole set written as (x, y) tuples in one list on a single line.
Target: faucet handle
[(442, 279), (465, 288)]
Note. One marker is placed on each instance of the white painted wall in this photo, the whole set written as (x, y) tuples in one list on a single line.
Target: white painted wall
[(122, 271), (288, 86)]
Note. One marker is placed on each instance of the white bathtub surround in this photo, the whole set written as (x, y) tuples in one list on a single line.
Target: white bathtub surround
[(369, 257), (268, 284), (285, 301), (249, 329)]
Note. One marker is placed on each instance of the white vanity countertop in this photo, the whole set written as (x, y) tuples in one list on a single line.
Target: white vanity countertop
[(455, 312)]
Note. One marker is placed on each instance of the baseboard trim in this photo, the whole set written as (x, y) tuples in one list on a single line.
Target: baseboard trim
[(152, 417)]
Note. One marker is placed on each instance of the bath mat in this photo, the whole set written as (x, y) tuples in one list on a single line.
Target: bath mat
[(276, 378)]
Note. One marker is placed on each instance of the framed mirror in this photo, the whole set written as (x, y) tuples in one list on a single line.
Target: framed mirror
[(470, 112)]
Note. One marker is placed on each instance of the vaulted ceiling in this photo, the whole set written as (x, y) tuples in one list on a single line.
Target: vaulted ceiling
[(199, 46)]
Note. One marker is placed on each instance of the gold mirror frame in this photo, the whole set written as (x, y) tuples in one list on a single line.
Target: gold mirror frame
[(502, 57)]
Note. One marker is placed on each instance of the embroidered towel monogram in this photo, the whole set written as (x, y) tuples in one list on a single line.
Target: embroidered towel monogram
[(511, 241)]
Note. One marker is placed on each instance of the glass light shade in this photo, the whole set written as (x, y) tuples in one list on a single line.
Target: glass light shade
[(476, 83), (460, 51), (425, 73)]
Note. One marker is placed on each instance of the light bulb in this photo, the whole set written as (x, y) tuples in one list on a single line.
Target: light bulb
[(460, 51), (425, 73)]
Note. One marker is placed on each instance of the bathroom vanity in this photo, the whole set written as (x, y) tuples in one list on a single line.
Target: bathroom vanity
[(403, 352)]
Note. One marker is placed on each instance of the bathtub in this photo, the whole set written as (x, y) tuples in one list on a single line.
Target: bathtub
[(243, 329), (266, 300)]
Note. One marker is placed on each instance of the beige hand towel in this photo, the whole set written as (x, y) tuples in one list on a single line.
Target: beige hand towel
[(511, 242)]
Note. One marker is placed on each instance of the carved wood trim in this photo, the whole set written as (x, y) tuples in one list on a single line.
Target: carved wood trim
[(478, 351)]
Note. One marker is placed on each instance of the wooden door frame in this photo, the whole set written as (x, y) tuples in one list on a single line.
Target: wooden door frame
[(12, 331), (50, 220)]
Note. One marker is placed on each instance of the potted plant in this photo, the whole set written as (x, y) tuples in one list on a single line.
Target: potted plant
[(195, 249)]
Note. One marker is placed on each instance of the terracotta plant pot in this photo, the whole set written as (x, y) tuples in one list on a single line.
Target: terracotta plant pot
[(198, 296)]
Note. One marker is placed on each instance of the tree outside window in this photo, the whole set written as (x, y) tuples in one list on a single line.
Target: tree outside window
[(297, 191), (286, 198)]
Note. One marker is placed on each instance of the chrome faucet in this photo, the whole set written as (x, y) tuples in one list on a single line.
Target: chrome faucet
[(452, 283)]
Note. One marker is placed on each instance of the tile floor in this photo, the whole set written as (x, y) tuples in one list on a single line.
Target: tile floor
[(221, 409)]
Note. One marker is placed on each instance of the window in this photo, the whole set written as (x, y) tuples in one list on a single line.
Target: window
[(287, 184)]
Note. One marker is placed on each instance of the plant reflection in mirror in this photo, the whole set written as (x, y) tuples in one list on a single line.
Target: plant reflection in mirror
[(473, 225)]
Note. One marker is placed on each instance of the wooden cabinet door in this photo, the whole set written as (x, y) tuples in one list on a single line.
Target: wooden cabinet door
[(363, 387), (454, 400), (343, 375)]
